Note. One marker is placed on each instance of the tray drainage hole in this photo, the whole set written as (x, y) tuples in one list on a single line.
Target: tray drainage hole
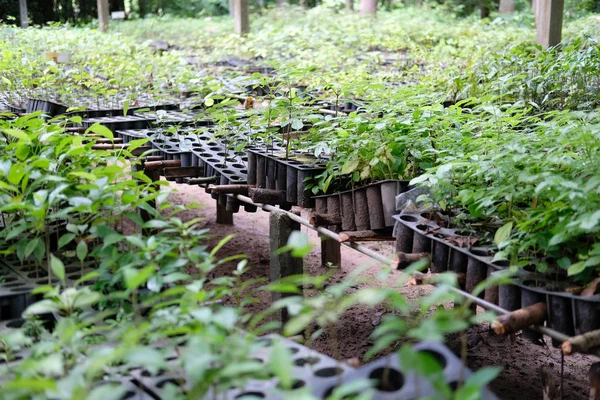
[(39, 274), (408, 218), (145, 372), (9, 279), (502, 263), (17, 323), (454, 386), (479, 252), (388, 380), (301, 362), (250, 395), (13, 285), (15, 357), (164, 382), (438, 357), (130, 394), (329, 372), (74, 276), (70, 270), (293, 350), (296, 384), (422, 227)]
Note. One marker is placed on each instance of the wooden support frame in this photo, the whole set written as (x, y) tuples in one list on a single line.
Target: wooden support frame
[(23, 14), (282, 265), (331, 252), (549, 18), (103, 15), (241, 16)]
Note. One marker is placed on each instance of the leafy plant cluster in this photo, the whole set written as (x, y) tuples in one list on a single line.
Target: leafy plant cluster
[(148, 297)]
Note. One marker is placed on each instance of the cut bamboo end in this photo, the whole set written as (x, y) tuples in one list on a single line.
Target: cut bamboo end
[(363, 236), (520, 319), (582, 343)]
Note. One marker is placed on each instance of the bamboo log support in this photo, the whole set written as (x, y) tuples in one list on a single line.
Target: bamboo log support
[(581, 343), (153, 158), (267, 196), (419, 278), (363, 236), (202, 181), (120, 146), (154, 165), (403, 260), (318, 219), (229, 189), (182, 172), (520, 319)]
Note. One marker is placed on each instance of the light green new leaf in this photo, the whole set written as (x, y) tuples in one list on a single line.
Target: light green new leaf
[(57, 266), (503, 233)]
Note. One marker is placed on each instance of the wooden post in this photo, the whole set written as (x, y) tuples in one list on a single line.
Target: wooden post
[(231, 8), (368, 7), (23, 13), (282, 265), (507, 6), (240, 15), (224, 217), (103, 15), (549, 16), (349, 5), (331, 252)]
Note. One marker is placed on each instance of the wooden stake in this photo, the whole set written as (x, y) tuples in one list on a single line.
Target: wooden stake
[(368, 7), (549, 16), (317, 219), (241, 16), (331, 252), (581, 343), (224, 217), (594, 375), (103, 15), (520, 319), (202, 181), (267, 196), (182, 172), (363, 236), (229, 189), (419, 278), (23, 14)]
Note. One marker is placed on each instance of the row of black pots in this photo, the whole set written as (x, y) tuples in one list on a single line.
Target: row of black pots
[(47, 107), (109, 112), (414, 234), (272, 170), (569, 313), (19, 279), (370, 207)]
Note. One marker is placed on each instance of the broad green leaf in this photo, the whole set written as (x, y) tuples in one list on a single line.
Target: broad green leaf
[(576, 268), (503, 233), (280, 364), (81, 250), (57, 266)]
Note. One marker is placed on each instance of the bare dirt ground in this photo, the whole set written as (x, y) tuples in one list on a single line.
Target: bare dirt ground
[(520, 359)]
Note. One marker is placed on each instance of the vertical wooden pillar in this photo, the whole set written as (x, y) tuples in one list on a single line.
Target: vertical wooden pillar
[(224, 217), (103, 15), (331, 252), (241, 17), (23, 13), (368, 7), (549, 16), (349, 5), (282, 265), (507, 6)]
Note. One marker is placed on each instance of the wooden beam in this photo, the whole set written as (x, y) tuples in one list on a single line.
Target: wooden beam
[(23, 13), (103, 15), (506, 6), (241, 16), (549, 17), (368, 7)]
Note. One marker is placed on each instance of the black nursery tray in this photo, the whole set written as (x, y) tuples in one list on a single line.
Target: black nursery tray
[(47, 107), (370, 207), (122, 122), (417, 234), (270, 169)]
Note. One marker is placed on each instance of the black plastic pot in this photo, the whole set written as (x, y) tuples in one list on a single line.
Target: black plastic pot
[(369, 207), (47, 107)]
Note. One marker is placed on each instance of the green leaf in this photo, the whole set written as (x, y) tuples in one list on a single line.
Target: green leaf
[(57, 266), (81, 250), (134, 144), (280, 363), (298, 244), (350, 166), (42, 307), (110, 391), (19, 134), (100, 130), (576, 268), (16, 173), (84, 175), (65, 239), (503, 233)]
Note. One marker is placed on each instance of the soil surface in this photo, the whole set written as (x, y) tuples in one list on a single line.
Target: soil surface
[(520, 359)]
